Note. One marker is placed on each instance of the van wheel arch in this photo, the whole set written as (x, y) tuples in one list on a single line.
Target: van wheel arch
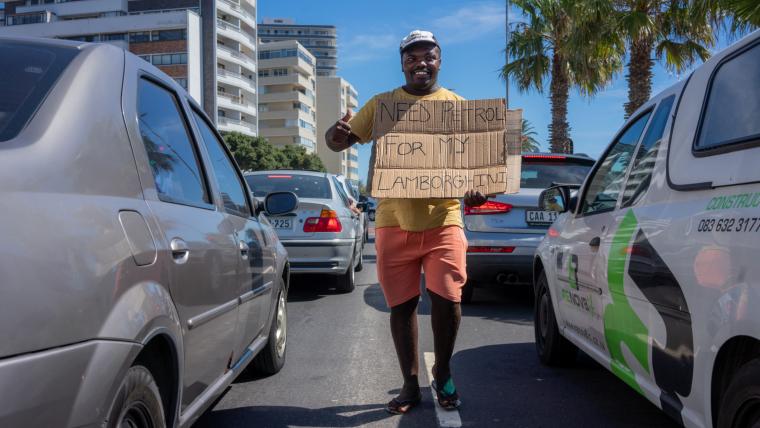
[(732, 356)]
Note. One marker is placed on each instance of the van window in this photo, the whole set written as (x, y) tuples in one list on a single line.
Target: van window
[(605, 186), (643, 165), (733, 104), (232, 190), (27, 73), (172, 154)]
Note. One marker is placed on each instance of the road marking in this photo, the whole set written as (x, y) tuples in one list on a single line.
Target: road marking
[(446, 418)]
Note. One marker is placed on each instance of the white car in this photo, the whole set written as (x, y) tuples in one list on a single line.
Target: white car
[(653, 267)]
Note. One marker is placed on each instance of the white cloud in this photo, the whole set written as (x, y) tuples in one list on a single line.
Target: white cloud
[(471, 22), (365, 47)]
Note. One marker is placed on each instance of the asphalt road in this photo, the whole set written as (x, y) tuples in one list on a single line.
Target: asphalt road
[(341, 369)]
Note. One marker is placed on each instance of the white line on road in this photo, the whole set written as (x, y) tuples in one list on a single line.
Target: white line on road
[(446, 418)]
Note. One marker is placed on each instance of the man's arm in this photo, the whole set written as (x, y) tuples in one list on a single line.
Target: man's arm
[(339, 136)]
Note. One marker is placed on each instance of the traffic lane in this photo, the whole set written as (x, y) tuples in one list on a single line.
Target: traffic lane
[(340, 367), (501, 380)]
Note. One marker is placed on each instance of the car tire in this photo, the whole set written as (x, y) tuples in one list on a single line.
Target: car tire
[(740, 406), (271, 359), (138, 402), (346, 282), (467, 291), (553, 349), (360, 265)]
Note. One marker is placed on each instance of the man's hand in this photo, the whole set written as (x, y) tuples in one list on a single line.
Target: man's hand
[(473, 198), (339, 136)]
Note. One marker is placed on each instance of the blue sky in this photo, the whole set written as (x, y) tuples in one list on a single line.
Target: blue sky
[(472, 37)]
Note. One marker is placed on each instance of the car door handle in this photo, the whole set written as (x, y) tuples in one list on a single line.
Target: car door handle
[(180, 251), (243, 249), (595, 242)]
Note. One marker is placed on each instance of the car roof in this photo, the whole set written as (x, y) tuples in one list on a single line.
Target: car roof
[(48, 42), (289, 171)]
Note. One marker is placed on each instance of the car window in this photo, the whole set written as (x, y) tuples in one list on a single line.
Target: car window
[(541, 174), (607, 182), (228, 180), (341, 191), (643, 165), (27, 73), (304, 186), (730, 116), (173, 156)]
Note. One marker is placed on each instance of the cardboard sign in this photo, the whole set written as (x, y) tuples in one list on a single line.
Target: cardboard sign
[(441, 149)]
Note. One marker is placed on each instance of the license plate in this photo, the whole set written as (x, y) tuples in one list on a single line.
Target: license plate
[(540, 217), (281, 223)]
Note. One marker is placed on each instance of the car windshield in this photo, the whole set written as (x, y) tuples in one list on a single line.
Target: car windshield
[(305, 186), (541, 174), (27, 72)]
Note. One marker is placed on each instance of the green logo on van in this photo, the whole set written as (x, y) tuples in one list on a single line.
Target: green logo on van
[(740, 200), (621, 324)]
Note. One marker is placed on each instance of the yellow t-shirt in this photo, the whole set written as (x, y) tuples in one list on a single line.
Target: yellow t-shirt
[(413, 215)]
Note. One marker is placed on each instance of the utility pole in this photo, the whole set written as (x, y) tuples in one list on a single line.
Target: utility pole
[(506, 52)]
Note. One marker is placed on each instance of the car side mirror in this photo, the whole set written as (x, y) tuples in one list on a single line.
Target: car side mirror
[(553, 199), (362, 206), (279, 203)]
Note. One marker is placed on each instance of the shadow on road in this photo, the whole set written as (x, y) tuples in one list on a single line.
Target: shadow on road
[(507, 385), (291, 416)]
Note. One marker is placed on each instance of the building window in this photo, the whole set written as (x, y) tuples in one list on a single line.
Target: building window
[(139, 37), (114, 36), (305, 125), (169, 35), (182, 81), (169, 59), (280, 72), (263, 73)]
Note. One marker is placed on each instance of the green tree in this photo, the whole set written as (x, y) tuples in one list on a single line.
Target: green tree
[(743, 12), (528, 137), (296, 157), (677, 32), (252, 153), (568, 43)]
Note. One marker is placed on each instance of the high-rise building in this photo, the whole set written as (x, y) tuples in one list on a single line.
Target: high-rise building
[(320, 40), (208, 46), (287, 95), (335, 96)]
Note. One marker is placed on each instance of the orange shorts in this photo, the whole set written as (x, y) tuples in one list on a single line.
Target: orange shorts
[(441, 252)]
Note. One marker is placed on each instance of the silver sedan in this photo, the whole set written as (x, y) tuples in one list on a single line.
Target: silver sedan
[(323, 235)]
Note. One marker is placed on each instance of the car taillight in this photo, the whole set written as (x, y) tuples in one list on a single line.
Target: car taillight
[(553, 233), (490, 207), (326, 222), (477, 249)]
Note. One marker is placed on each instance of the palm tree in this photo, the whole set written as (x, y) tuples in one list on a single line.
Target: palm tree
[(527, 139), (676, 31), (567, 43)]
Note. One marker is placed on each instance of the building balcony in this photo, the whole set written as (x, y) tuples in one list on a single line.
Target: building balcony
[(233, 102), (235, 125), (236, 79), (233, 32), (291, 114), (293, 61), (274, 97), (286, 131), (235, 57), (291, 79), (234, 8)]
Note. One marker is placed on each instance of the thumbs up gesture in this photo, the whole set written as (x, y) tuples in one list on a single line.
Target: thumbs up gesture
[(339, 135)]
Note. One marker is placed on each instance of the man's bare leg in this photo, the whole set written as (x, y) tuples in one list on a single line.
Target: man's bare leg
[(404, 332)]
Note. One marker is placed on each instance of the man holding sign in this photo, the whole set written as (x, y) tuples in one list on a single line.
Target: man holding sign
[(414, 234)]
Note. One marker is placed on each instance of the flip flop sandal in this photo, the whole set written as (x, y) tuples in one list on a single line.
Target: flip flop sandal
[(447, 396), (399, 407)]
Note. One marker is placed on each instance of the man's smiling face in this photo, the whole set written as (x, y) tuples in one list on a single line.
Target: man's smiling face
[(420, 64)]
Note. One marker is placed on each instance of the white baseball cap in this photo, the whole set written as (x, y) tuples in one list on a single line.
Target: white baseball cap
[(417, 36)]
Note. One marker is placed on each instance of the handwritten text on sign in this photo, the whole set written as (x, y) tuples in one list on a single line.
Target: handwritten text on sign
[(438, 149)]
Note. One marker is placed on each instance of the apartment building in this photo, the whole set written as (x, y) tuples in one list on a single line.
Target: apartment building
[(320, 40), (335, 96), (287, 95), (208, 46)]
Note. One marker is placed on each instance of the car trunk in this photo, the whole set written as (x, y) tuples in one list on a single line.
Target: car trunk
[(307, 207), (508, 221)]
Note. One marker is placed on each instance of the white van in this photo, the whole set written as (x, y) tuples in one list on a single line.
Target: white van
[(654, 267)]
